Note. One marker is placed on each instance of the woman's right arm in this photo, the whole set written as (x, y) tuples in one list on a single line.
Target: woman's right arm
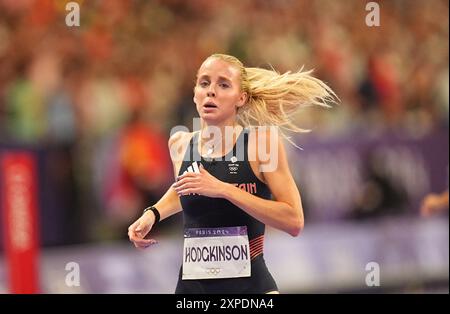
[(169, 203)]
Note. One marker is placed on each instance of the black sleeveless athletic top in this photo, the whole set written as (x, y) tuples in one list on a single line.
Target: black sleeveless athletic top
[(201, 211), (206, 212)]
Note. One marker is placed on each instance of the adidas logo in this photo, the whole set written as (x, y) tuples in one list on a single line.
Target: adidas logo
[(193, 168)]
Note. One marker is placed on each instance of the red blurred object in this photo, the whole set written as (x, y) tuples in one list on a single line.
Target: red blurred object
[(385, 79), (138, 170), (99, 43), (42, 13), (143, 155), (18, 178)]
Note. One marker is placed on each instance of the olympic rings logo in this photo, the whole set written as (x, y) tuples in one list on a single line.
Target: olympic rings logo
[(213, 271), (233, 168)]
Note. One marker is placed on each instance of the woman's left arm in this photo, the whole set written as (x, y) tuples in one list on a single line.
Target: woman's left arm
[(284, 213)]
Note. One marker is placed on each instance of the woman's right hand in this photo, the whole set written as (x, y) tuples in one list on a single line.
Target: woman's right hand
[(140, 228)]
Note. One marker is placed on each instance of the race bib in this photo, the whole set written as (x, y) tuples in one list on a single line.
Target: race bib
[(211, 253)]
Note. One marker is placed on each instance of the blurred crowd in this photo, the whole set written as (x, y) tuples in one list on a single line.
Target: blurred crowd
[(102, 98)]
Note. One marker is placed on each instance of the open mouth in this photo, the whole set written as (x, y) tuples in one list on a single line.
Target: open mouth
[(209, 105)]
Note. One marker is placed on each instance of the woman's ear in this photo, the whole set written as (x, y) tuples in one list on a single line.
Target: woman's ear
[(194, 99), (242, 99), (194, 91)]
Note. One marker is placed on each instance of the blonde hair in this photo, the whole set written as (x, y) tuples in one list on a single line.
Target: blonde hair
[(274, 97)]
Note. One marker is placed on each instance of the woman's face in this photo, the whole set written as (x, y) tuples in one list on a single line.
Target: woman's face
[(217, 92)]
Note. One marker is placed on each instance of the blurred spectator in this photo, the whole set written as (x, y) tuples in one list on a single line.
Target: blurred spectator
[(135, 172), (380, 196)]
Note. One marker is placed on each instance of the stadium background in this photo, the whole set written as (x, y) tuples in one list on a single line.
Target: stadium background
[(91, 109)]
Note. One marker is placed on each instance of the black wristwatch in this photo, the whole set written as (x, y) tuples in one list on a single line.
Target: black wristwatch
[(155, 211)]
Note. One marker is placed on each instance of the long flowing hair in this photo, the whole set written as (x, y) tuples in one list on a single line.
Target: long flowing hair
[(273, 98)]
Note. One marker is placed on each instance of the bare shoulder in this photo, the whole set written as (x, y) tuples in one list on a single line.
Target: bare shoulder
[(179, 136), (178, 144)]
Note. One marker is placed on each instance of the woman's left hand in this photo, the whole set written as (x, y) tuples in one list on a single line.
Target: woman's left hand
[(202, 183)]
